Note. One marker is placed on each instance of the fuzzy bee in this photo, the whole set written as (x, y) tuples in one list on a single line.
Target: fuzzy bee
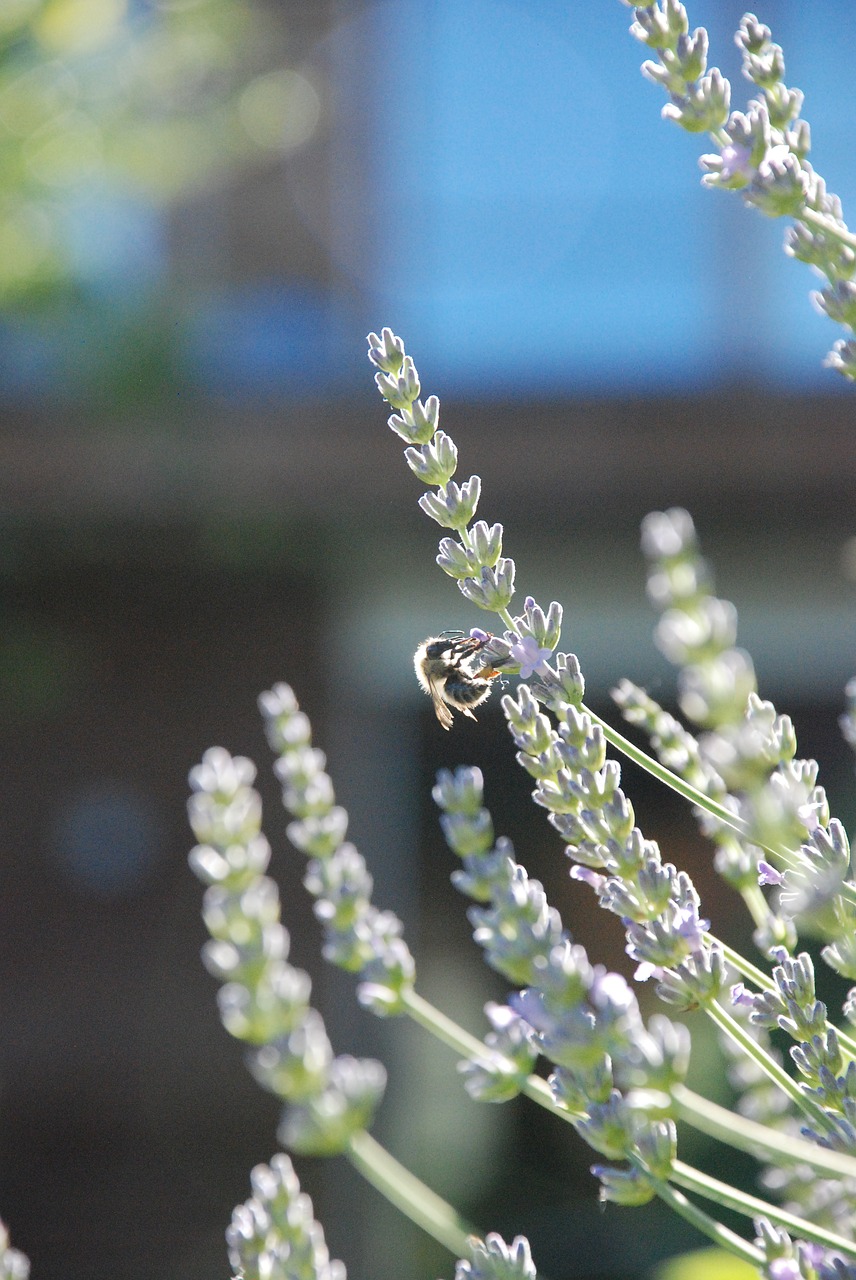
[(445, 668)]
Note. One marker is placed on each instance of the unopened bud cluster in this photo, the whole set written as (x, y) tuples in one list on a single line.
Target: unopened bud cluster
[(264, 1000), (762, 151), (614, 1075), (579, 788), (746, 756), (358, 937), (274, 1233)]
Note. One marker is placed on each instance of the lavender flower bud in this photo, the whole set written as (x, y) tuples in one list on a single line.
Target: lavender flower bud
[(752, 36), (325, 1124), (842, 358), (417, 424), (840, 955), (15, 1265), (660, 27), (780, 187), (465, 562), (494, 587), (390, 971), (656, 1148), (453, 506), (738, 161), (456, 560), (696, 981), (486, 543), (459, 792), (838, 302), (387, 351), (799, 139), (341, 885), (501, 1072), (493, 1259), (623, 1186), (561, 683), (401, 389), (518, 931), (667, 534), (702, 109), (668, 74), (286, 725), (295, 1064), (530, 728), (434, 463), (609, 1127), (236, 866), (295, 1242), (467, 835), (577, 1089), (319, 836)]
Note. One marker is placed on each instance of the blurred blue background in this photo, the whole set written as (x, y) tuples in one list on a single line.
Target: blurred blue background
[(205, 206)]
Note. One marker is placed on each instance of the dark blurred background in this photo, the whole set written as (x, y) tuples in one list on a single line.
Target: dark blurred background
[(205, 206)]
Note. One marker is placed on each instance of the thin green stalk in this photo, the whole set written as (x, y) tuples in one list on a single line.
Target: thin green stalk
[(700, 1113), (756, 904), (415, 1200), (664, 775), (756, 976), (707, 1225), (768, 1065), (787, 857), (757, 1139), (712, 1189)]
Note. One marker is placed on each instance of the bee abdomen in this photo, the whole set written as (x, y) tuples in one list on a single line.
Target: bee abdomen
[(467, 694)]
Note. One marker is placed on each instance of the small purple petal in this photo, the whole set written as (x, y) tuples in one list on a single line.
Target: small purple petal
[(588, 876), (784, 1269), (768, 874), (740, 995)]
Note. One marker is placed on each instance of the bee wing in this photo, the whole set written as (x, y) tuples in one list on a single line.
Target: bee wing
[(441, 709)]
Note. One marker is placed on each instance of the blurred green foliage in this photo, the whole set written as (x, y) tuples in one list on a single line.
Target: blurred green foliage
[(134, 102)]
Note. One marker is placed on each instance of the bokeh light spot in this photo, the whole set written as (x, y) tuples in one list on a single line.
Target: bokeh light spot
[(107, 838), (280, 110)]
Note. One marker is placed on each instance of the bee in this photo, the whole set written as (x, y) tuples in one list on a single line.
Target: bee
[(445, 669)]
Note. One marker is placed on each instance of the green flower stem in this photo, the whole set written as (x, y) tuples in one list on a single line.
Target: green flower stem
[(702, 1114), (756, 976), (402, 1189), (708, 1226), (787, 856), (659, 771), (708, 1117), (757, 1139), (756, 905), (712, 1189), (768, 1065)]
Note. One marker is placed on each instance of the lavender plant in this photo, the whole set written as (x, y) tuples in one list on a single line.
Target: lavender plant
[(615, 1078), (761, 152)]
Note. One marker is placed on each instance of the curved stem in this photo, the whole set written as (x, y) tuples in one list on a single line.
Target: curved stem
[(404, 1190), (707, 1225), (788, 857), (712, 1189), (768, 1065), (758, 1140)]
